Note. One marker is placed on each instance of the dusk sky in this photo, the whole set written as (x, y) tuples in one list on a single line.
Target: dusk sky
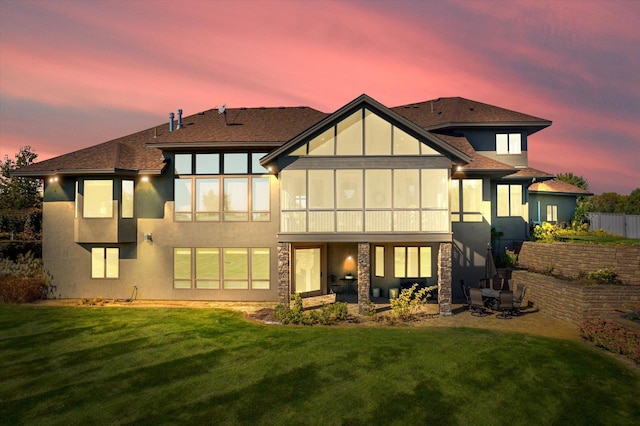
[(74, 73)]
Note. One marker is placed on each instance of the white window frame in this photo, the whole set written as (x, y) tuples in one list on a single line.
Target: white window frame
[(514, 201), (508, 143), (105, 262)]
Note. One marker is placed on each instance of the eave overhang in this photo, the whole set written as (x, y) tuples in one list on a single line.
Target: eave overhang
[(181, 146), (84, 172), (531, 126)]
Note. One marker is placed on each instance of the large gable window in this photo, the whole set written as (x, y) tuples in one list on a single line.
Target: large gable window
[(364, 132), (98, 199), (349, 135), (508, 143)]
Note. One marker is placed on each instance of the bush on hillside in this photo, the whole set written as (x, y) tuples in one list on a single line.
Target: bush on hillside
[(23, 280)]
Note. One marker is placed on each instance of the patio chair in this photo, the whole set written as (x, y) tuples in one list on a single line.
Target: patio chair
[(505, 305), (465, 293), (477, 303), (518, 297)]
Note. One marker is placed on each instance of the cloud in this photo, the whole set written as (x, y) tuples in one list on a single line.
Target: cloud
[(73, 70)]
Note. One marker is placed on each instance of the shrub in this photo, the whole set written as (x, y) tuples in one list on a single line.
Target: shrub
[(545, 233), (327, 314), (24, 280), (604, 276), (410, 300), (508, 259), (613, 337)]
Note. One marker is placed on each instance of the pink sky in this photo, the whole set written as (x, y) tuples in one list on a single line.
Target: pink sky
[(74, 74)]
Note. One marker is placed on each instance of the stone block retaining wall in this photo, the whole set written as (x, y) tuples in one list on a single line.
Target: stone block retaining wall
[(571, 260), (573, 302)]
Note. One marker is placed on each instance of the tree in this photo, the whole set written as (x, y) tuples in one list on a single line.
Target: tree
[(583, 204), (18, 193), (633, 202), (578, 181)]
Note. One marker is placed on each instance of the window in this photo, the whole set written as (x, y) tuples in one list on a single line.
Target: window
[(466, 200), (256, 167), (260, 268), (217, 198), (207, 268), (207, 164), (236, 163), (509, 202), (236, 201), (181, 268), (379, 265), (104, 262), (98, 199), (182, 164), (127, 199), (239, 202), (222, 268), (364, 132), (412, 262), (552, 213), (76, 199), (349, 135), (508, 143), (207, 199), (372, 200)]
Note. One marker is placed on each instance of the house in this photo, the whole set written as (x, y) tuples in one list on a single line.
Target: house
[(254, 204), (554, 201)]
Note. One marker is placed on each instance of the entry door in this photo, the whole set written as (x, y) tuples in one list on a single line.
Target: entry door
[(308, 271)]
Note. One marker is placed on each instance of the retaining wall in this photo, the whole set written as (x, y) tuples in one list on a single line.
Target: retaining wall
[(571, 260), (573, 302)]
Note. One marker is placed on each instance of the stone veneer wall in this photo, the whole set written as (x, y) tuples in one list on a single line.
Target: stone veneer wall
[(284, 286), (364, 280), (444, 278), (570, 260), (573, 302)]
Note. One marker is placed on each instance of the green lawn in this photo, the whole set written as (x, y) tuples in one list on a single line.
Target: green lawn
[(74, 366)]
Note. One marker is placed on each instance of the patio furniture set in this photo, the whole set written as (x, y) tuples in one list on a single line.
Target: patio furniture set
[(496, 295)]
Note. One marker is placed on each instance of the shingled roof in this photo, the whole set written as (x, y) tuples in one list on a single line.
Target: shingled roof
[(269, 128), (125, 154), (455, 112), (262, 126), (558, 187)]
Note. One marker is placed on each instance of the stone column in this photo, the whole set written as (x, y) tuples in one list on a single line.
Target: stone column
[(364, 276), (444, 278), (284, 273)]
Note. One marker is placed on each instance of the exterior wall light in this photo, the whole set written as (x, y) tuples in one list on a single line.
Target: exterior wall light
[(148, 237), (145, 179), (53, 179)]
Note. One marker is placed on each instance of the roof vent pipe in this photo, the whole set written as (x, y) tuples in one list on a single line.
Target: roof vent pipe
[(179, 119), (171, 115)]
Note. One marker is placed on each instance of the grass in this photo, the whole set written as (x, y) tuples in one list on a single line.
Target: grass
[(600, 239), (73, 365)]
